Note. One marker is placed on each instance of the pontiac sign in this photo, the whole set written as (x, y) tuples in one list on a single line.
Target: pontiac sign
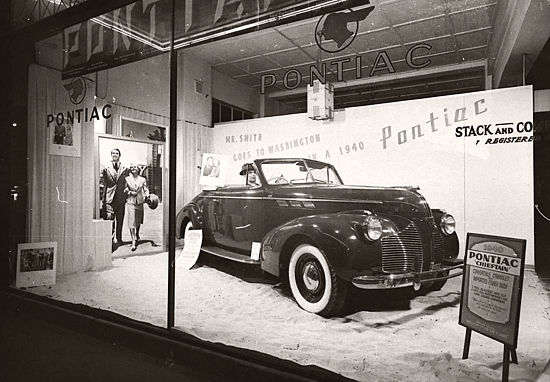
[(143, 29)]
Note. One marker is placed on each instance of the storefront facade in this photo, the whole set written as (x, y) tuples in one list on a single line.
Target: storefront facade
[(448, 99)]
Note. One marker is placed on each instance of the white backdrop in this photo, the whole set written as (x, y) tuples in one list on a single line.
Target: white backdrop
[(487, 187)]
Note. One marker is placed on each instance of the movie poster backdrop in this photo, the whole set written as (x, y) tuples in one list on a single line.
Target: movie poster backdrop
[(471, 154)]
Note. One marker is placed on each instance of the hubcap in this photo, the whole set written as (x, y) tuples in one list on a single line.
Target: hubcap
[(310, 276)]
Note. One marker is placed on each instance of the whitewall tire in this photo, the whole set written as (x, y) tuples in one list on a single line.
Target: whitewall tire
[(188, 226), (313, 282)]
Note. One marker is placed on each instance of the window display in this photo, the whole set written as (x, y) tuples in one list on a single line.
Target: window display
[(303, 231)]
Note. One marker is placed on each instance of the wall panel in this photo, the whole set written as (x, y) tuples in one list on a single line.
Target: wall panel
[(61, 188)]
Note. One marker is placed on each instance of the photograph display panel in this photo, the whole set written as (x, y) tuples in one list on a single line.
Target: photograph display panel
[(65, 139), (36, 264), (460, 150), (213, 170)]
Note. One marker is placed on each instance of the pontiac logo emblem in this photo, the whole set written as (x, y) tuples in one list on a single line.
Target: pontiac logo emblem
[(333, 29), (76, 89)]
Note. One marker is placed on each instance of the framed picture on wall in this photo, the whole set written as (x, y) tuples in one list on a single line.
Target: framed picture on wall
[(213, 170), (64, 139), (36, 264)]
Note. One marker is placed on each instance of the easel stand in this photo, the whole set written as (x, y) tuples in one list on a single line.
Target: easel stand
[(509, 355)]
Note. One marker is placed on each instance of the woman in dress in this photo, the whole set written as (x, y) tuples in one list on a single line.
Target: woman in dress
[(136, 194)]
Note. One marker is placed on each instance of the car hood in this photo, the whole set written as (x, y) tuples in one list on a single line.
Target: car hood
[(404, 200)]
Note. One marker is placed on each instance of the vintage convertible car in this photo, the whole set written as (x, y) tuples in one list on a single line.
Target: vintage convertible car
[(300, 223)]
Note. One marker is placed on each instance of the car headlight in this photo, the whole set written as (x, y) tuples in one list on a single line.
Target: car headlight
[(447, 224), (372, 227)]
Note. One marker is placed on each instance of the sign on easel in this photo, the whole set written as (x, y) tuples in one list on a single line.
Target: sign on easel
[(491, 291)]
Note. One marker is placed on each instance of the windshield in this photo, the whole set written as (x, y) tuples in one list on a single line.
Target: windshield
[(299, 172)]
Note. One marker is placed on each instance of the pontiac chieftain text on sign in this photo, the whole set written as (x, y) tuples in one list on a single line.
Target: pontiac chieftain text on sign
[(491, 289), (491, 282)]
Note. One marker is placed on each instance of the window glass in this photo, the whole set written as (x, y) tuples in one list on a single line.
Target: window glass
[(27, 12), (97, 170), (298, 250), (226, 114), (301, 177), (216, 111), (237, 115)]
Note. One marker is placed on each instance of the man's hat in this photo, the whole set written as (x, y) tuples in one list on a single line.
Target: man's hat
[(153, 201), (246, 168)]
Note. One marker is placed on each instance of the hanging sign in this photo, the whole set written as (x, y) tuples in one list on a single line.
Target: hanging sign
[(492, 286), (143, 29)]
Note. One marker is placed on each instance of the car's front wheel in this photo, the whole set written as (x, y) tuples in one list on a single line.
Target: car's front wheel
[(313, 282)]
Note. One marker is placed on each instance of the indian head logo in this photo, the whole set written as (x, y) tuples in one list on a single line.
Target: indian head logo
[(336, 31), (76, 89)]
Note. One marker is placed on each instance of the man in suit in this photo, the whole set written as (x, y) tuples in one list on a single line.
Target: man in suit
[(114, 198)]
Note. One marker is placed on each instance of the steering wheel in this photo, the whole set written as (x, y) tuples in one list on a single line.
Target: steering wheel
[(277, 180)]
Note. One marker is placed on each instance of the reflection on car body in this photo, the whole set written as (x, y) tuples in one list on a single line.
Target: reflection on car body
[(323, 237)]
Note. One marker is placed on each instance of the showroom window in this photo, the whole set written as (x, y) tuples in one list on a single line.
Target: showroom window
[(98, 166), (26, 12), (279, 163)]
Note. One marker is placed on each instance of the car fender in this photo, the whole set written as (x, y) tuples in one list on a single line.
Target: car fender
[(450, 241), (334, 234), (190, 212)]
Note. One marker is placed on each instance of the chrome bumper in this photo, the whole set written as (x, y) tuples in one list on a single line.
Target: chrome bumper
[(402, 280)]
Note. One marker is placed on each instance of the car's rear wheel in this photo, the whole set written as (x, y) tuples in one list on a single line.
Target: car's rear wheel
[(187, 226), (313, 282)]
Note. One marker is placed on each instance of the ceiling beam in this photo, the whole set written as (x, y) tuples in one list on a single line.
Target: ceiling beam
[(508, 20), (521, 27)]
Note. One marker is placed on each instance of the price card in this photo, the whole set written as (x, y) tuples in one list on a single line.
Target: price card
[(189, 254)]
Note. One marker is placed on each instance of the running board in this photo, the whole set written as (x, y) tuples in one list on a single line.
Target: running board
[(216, 251)]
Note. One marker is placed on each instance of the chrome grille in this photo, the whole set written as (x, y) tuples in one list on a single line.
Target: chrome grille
[(439, 248), (403, 252)]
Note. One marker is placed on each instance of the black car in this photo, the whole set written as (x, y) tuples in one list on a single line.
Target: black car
[(298, 221)]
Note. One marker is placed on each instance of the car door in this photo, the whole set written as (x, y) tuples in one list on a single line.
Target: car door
[(235, 217)]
